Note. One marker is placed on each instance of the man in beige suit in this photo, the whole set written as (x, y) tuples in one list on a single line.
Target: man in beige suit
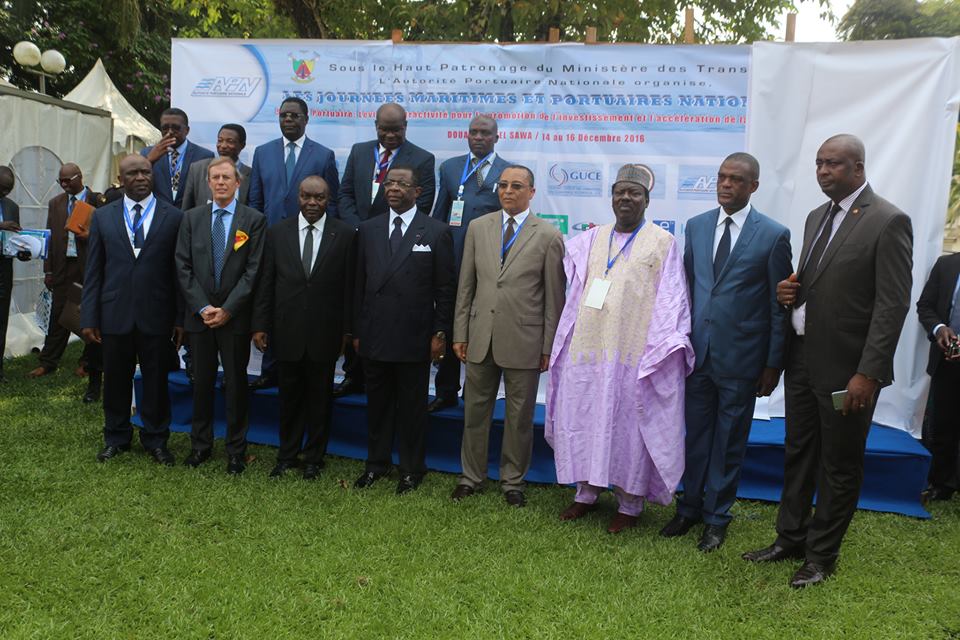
[(509, 299)]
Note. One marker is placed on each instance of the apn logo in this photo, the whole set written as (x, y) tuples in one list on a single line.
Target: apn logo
[(303, 66), (226, 87), (576, 179)]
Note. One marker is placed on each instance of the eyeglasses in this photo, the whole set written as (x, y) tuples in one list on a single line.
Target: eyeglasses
[(403, 184), (68, 180), (515, 186), (291, 115)]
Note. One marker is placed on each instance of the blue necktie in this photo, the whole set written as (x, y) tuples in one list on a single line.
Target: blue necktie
[(291, 163), (219, 238), (723, 249), (138, 228)]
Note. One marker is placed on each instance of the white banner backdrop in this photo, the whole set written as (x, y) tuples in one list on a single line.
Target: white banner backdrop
[(901, 99)]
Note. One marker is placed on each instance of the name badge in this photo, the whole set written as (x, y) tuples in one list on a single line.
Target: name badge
[(456, 213), (71, 245), (373, 191), (598, 293)]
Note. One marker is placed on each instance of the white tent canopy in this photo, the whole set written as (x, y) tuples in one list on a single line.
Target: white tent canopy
[(97, 90)]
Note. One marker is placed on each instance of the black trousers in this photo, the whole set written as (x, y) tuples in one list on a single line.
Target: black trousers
[(353, 364), (6, 291), (824, 453), (447, 379), (57, 336), (209, 347), (397, 405), (306, 407), (120, 356), (945, 437)]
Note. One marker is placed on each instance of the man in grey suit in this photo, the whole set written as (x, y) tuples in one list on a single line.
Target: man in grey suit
[(509, 299), (219, 249), (734, 257), (847, 307), (231, 139)]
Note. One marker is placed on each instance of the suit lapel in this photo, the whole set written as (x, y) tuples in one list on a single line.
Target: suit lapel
[(524, 234), (861, 206), (326, 241), (750, 226), (706, 246), (495, 238), (292, 238), (303, 160), (159, 216), (809, 238), (231, 234), (414, 235)]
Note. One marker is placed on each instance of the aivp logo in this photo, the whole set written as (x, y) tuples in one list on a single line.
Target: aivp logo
[(226, 87), (697, 182), (577, 179)]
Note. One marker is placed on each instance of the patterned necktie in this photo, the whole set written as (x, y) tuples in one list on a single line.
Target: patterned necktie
[(816, 254), (396, 236), (723, 249), (480, 173), (219, 238), (383, 165), (291, 162), (307, 257), (73, 201), (507, 237), (175, 170), (138, 228)]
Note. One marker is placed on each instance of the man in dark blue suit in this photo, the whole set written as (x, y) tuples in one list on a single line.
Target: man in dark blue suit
[(131, 305), (361, 196), (467, 191), (403, 313), (172, 156), (734, 258), (280, 165)]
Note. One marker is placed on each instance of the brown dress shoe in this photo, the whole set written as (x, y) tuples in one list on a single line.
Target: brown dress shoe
[(39, 372), (462, 491), (620, 522), (576, 511)]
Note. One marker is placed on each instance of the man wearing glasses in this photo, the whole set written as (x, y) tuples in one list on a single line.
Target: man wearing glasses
[(172, 156)]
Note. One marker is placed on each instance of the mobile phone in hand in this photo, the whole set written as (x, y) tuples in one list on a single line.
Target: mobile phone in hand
[(838, 398)]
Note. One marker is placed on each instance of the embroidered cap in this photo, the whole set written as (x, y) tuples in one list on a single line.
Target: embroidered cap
[(636, 173)]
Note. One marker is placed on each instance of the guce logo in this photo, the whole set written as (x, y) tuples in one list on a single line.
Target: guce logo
[(575, 179)]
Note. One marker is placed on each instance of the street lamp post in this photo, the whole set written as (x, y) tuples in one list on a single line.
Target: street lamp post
[(51, 61)]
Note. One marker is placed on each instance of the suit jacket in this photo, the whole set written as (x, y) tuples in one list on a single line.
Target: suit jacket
[(241, 266), (56, 262), (516, 307), (859, 297), (306, 317), (11, 213), (197, 189), (355, 205), (121, 292), (933, 307), (269, 191), (736, 318), (403, 299), (476, 200), (162, 175)]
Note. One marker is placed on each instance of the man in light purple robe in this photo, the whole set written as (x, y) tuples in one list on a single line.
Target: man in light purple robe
[(619, 360)]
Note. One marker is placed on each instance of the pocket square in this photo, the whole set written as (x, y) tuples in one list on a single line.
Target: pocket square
[(425, 248)]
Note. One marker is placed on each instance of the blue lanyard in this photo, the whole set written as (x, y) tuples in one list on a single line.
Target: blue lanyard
[(503, 232), (379, 165), (147, 212), (467, 172), (613, 261)]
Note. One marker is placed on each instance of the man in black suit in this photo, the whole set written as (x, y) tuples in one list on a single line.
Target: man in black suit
[(132, 307), (939, 311), (9, 221), (302, 310), (848, 304), (172, 156), (362, 196), (402, 315), (218, 258)]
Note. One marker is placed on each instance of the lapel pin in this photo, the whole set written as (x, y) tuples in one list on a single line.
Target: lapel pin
[(855, 211)]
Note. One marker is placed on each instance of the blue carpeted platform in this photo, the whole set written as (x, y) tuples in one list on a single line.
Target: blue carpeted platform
[(895, 469)]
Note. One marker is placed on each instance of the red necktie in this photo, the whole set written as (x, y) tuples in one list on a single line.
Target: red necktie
[(383, 165)]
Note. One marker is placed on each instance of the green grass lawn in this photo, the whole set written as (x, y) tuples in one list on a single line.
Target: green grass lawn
[(129, 549)]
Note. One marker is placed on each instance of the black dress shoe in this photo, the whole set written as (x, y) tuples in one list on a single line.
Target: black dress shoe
[(439, 403), (162, 455), (235, 465), (197, 458), (347, 387), (408, 483), (811, 573), (366, 479), (712, 537), (678, 526), (262, 382), (773, 553), (311, 471), (93, 388), (462, 491), (112, 451), (281, 468), (934, 492), (515, 498)]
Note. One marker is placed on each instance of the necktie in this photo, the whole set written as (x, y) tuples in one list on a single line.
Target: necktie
[(307, 257), (219, 238), (396, 236), (175, 170), (507, 237), (383, 165), (138, 229), (73, 201), (813, 260), (480, 173), (955, 314), (291, 162), (723, 249)]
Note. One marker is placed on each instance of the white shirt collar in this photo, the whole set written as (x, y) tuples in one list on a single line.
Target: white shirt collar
[(144, 204), (847, 202), (318, 225), (299, 142), (738, 218), (493, 156), (519, 218), (406, 216)]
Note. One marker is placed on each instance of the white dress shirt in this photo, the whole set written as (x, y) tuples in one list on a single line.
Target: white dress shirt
[(144, 211), (485, 169), (518, 220), (736, 226), (298, 147), (302, 224), (798, 317), (406, 217)]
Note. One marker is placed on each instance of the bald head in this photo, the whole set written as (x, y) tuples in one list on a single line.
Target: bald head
[(391, 126), (482, 135), (840, 166), (851, 144), (314, 194), (71, 179), (136, 175)]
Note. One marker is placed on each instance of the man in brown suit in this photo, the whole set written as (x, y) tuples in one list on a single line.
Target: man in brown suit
[(63, 276), (848, 304), (509, 299)]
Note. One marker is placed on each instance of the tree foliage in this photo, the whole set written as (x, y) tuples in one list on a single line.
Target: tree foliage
[(895, 19)]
